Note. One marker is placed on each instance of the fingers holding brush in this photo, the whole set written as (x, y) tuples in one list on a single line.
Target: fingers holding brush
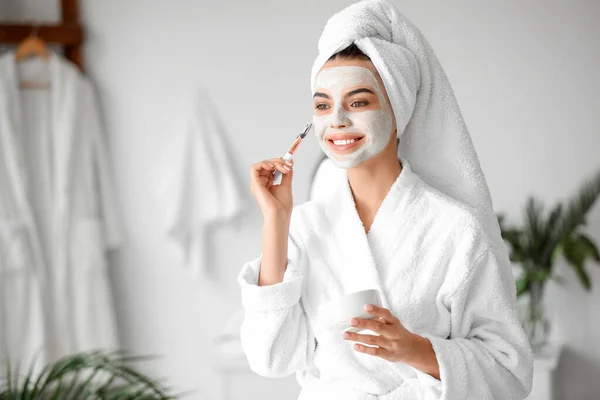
[(286, 178), (271, 180), (281, 164), (267, 167), (271, 199)]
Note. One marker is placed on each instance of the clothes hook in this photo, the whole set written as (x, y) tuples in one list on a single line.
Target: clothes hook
[(36, 28)]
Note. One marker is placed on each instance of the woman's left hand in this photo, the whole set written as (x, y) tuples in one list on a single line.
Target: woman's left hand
[(394, 343)]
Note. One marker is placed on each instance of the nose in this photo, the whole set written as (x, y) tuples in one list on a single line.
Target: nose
[(339, 118)]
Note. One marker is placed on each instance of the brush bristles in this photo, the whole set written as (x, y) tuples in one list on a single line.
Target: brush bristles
[(307, 129)]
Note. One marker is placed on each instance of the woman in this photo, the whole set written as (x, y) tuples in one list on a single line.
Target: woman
[(412, 218)]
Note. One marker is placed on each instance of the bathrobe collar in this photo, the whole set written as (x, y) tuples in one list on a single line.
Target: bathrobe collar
[(361, 269), (65, 91), (63, 98)]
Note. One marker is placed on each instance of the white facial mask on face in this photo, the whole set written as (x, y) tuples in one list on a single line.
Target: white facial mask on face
[(376, 125)]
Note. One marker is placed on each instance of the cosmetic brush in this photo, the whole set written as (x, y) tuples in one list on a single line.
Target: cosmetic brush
[(277, 176)]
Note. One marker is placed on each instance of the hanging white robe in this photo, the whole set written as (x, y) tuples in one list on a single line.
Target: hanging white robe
[(57, 217), (436, 270), (206, 190)]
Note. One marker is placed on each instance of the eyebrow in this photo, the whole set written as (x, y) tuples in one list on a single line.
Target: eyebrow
[(359, 90), (319, 94), (351, 93)]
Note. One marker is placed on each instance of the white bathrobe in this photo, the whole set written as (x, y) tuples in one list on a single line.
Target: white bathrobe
[(436, 270), (57, 217)]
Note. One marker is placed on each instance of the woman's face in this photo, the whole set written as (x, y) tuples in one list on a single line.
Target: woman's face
[(353, 119)]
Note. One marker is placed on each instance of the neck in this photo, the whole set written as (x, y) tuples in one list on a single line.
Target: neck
[(371, 181)]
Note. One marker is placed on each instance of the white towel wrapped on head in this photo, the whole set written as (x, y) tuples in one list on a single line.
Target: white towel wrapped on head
[(433, 135)]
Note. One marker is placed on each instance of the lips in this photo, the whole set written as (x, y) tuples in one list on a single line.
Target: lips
[(347, 147), (344, 136)]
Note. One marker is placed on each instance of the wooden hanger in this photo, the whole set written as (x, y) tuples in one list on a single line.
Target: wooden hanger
[(33, 45)]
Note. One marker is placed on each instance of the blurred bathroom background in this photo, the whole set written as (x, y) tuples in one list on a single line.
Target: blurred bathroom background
[(525, 75)]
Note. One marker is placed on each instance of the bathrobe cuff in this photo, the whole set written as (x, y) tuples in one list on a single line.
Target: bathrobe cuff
[(281, 295), (453, 372), (426, 380)]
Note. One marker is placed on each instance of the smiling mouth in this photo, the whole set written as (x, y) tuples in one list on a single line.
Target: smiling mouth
[(342, 143)]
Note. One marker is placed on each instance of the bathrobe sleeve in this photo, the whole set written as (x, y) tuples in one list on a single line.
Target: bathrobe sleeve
[(275, 333), (487, 355)]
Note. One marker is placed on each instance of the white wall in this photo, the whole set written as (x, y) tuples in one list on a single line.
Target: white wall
[(523, 72)]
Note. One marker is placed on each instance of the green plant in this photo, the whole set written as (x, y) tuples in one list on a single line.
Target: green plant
[(537, 244), (93, 375), (542, 238)]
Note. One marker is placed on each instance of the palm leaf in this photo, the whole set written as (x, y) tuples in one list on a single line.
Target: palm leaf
[(592, 250), (513, 237), (583, 276), (538, 242), (552, 229), (80, 387), (26, 395), (9, 389), (78, 377), (534, 230), (576, 252), (578, 207), (522, 285)]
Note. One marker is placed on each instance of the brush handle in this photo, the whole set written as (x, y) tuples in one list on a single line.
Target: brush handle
[(278, 175)]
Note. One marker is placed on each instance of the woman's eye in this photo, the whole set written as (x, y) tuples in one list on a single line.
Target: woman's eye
[(322, 106), (360, 103)]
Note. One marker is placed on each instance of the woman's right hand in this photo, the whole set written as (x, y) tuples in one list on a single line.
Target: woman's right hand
[(273, 200)]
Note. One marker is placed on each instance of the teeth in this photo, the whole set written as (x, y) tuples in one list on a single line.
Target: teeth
[(343, 142)]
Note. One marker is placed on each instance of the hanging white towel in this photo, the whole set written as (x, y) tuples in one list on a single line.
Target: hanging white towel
[(208, 190)]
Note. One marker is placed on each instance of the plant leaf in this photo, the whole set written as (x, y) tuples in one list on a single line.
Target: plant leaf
[(522, 284), (577, 208), (533, 229), (541, 275), (63, 379), (583, 277), (591, 246), (552, 229), (8, 378), (57, 390), (576, 252), (500, 220), (26, 394)]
